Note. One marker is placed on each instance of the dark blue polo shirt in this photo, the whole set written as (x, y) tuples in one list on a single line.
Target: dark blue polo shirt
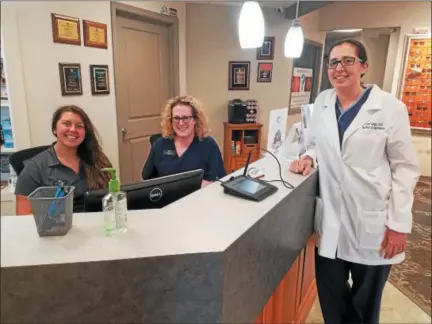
[(201, 154), (46, 170)]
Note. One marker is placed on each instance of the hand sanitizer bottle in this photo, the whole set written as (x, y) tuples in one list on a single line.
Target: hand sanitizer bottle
[(114, 206)]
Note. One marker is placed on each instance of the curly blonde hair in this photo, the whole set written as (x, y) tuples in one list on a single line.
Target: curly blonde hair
[(201, 123)]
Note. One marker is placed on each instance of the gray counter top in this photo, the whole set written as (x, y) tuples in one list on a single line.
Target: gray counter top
[(206, 258)]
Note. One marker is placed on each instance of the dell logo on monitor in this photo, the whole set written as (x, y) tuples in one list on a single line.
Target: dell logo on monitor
[(155, 194)]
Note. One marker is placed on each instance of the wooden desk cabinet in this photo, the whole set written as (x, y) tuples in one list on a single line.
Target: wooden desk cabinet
[(296, 293), (247, 137)]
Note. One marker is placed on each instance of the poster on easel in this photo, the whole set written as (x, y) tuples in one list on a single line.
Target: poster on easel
[(293, 145), (277, 130), (306, 116)]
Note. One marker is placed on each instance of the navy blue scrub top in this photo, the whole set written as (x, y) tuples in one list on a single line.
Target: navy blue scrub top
[(202, 154), (345, 118)]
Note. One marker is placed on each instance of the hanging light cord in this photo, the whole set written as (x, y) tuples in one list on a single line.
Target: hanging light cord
[(297, 9)]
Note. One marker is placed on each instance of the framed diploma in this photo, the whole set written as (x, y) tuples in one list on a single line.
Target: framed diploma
[(239, 75), (70, 79), (265, 71), (99, 79), (95, 34), (65, 29), (266, 51)]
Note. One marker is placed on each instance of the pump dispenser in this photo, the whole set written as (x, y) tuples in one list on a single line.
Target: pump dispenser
[(114, 206)]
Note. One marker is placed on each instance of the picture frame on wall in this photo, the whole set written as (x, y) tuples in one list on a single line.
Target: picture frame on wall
[(70, 79), (99, 77), (95, 34), (265, 72), (239, 75), (65, 29), (266, 51)]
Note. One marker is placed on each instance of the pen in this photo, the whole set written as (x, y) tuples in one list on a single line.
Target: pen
[(52, 208)]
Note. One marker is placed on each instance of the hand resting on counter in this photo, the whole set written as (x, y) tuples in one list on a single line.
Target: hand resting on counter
[(302, 166)]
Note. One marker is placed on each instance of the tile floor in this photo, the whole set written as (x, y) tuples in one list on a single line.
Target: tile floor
[(395, 308)]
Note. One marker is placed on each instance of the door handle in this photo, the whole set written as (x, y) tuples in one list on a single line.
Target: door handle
[(124, 131)]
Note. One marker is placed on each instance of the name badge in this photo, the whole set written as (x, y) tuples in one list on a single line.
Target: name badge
[(169, 152), (374, 126), (60, 183)]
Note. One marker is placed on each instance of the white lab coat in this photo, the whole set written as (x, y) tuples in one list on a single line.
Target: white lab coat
[(367, 184)]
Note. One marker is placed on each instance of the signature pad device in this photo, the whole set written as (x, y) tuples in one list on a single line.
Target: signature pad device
[(248, 188)]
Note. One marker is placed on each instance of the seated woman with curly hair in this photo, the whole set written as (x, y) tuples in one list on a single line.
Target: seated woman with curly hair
[(185, 144)]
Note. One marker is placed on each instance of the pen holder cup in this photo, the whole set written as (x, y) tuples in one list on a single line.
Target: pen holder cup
[(52, 215)]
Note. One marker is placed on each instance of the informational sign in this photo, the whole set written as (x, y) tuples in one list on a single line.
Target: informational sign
[(293, 146), (301, 87), (277, 130), (306, 113), (306, 116)]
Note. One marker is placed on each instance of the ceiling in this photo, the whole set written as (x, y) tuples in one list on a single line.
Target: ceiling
[(367, 32), (290, 8), (265, 3)]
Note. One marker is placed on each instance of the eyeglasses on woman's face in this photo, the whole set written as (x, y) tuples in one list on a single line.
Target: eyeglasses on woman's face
[(184, 119), (344, 61)]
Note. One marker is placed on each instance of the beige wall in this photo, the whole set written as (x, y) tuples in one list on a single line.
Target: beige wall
[(422, 145), (212, 41), (391, 60), (376, 46), (32, 65)]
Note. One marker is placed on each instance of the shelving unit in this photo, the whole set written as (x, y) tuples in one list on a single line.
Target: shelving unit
[(8, 146), (5, 110), (4, 149), (239, 139)]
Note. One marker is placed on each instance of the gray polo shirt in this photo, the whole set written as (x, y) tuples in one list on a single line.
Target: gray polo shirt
[(45, 169)]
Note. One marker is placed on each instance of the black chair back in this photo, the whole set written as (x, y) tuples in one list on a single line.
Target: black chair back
[(154, 138), (17, 159)]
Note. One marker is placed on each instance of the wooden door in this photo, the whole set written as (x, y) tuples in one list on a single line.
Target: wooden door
[(143, 85)]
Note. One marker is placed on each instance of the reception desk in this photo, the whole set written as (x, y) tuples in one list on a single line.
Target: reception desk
[(207, 258)]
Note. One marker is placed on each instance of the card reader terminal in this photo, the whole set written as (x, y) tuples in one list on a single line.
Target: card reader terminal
[(248, 188)]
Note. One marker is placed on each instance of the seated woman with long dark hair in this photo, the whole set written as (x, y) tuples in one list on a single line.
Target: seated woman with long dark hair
[(75, 159)]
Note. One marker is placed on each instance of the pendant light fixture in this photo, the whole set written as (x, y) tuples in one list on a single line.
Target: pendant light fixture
[(251, 26), (294, 39)]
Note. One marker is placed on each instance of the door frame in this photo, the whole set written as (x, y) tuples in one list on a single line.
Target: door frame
[(134, 13), (317, 66)]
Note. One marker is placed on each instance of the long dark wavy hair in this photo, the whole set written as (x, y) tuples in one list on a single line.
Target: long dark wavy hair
[(89, 151)]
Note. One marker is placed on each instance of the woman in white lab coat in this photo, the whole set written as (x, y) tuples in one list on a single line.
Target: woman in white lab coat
[(361, 142)]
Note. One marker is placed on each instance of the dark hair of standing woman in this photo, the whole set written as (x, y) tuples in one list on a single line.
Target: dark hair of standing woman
[(89, 151)]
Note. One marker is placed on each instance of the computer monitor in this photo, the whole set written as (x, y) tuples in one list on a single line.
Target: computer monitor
[(150, 194)]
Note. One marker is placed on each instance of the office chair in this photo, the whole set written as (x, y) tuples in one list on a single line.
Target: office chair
[(17, 159), (154, 138)]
